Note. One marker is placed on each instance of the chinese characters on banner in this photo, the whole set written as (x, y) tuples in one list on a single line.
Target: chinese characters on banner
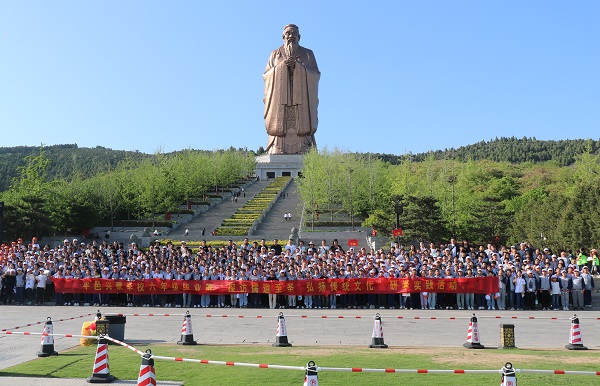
[(481, 285)]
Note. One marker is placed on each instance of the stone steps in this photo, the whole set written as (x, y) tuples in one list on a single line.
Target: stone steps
[(212, 218)]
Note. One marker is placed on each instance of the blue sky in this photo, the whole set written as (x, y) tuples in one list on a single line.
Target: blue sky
[(397, 76)]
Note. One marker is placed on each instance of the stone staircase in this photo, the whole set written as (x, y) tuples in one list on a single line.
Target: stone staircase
[(212, 218), (273, 225)]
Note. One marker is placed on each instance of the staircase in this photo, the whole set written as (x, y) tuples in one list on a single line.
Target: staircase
[(273, 225), (212, 218)]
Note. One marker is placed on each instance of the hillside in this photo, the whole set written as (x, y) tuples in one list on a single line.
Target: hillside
[(69, 159), (66, 160), (512, 150)]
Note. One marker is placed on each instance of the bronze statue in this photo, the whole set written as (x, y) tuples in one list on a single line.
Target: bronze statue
[(291, 100)]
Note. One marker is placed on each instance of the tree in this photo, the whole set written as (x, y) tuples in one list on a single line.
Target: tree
[(310, 186), (422, 220)]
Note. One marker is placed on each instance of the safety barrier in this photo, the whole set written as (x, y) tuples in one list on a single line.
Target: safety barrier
[(43, 321), (47, 334)]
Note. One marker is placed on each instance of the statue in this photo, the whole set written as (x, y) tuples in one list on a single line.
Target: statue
[(291, 87)]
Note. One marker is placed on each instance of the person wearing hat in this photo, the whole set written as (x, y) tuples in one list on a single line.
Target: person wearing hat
[(544, 288), (588, 286), (519, 284), (577, 290), (595, 261), (41, 280), (29, 286), (20, 286), (555, 292), (530, 290)]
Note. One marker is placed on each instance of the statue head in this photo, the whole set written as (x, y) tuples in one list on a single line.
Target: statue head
[(291, 33)]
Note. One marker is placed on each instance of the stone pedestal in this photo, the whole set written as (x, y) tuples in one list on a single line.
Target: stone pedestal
[(269, 166)]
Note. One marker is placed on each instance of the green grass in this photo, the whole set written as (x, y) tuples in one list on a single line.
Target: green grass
[(124, 364)]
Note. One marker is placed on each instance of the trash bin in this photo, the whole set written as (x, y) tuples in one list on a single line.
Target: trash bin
[(116, 326)]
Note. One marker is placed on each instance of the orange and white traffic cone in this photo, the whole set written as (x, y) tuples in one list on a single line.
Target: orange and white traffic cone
[(47, 340), (509, 375), (281, 339), (311, 378), (101, 370), (473, 334), (187, 336), (147, 375), (377, 340), (575, 341)]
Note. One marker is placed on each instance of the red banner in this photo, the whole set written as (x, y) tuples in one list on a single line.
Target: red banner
[(293, 287), (397, 232), (353, 243)]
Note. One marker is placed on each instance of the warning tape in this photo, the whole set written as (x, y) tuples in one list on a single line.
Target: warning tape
[(559, 372), (240, 364), (42, 322), (122, 344), (417, 371), (26, 333), (457, 371)]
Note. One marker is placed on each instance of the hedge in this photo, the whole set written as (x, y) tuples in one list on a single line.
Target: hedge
[(308, 223)]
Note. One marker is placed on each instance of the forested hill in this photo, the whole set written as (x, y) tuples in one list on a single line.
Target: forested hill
[(65, 160), (69, 160), (511, 150)]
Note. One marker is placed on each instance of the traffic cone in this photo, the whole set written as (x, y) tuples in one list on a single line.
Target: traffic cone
[(47, 340), (377, 341), (509, 375), (187, 336), (575, 341), (147, 375), (281, 339), (101, 370), (473, 334), (311, 378)]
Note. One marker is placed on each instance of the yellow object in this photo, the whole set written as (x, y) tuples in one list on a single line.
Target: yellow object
[(88, 329)]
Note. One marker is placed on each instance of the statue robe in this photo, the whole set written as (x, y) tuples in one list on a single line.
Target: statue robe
[(291, 102)]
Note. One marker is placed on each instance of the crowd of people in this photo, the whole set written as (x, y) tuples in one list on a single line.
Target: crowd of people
[(528, 278)]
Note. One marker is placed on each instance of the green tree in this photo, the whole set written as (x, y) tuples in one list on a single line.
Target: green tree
[(422, 220)]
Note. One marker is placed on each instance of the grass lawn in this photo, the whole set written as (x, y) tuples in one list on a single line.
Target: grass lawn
[(125, 364)]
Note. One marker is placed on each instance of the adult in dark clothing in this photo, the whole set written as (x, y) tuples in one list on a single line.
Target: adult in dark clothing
[(10, 282)]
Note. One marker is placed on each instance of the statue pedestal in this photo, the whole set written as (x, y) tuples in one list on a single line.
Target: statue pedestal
[(269, 166)]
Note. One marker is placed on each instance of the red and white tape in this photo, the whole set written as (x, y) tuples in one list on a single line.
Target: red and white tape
[(122, 344), (239, 364), (26, 333), (42, 322), (456, 371)]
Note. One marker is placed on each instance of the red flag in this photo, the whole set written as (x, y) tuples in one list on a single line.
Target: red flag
[(397, 232), (353, 243)]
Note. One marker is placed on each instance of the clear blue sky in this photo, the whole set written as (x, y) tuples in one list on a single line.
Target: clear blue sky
[(397, 76)]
